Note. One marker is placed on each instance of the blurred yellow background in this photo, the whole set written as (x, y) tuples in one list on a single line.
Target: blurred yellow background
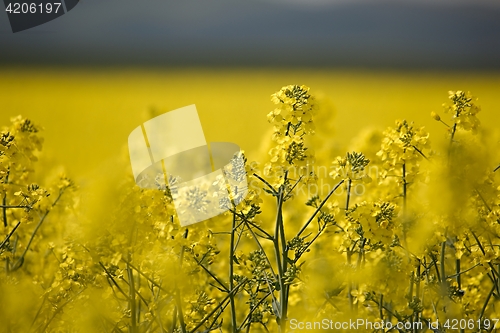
[(88, 113)]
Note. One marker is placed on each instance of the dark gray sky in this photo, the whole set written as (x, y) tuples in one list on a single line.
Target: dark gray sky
[(338, 33)]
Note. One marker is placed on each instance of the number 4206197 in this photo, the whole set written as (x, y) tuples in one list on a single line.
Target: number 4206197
[(32, 8), (481, 324)]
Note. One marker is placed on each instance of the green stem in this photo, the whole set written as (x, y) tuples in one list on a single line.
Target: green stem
[(219, 307), (453, 131), (279, 255), (464, 271), (146, 277), (318, 209), (349, 252), (486, 302), (284, 260), (4, 208), (249, 315), (231, 280), (301, 253), (417, 294), (443, 272), (381, 307), (213, 275), (180, 314), (405, 185), (420, 152), (20, 261), (110, 276), (273, 191), (131, 296), (9, 235), (254, 236), (178, 299), (349, 182), (349, 290), (4, 201)]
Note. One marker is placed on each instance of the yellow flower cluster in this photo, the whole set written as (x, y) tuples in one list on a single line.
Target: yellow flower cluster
[(293, 121), (464, 110), (393, 250)]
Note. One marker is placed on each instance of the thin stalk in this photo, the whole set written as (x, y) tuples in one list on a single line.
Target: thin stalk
[(453, 131), (393, 314), (248, 222), (284, 260), (231, 280), (478, 243), (9, 235), (464, 271), (268, 185), (434, 263), (405, 184), (349, 252), (443, 272), (434, 309), (146, 277), (254, 236), (180, 314), (178, 299), (20, 261), (498, 280), (417, 294), (174, 319), (110, 276), (278, 254), (417, 282), (492, 278), (211, 326), (38, 312), (137, 293), (301, 253), (420, 152), (59, 309), (293, 187), (249, 315), (349, 182), (131, 296), (349, 290), (361, 252), (380, 307), (221, 305), (137, 288), (4, 206), (212, 275), (319, 208), (156, 317), (4, 201), (486, 302)]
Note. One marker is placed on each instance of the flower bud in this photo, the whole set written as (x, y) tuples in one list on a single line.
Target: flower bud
[(435, 116)]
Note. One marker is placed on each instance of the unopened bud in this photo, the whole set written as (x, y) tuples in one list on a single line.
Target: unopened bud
[(435, 116)]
